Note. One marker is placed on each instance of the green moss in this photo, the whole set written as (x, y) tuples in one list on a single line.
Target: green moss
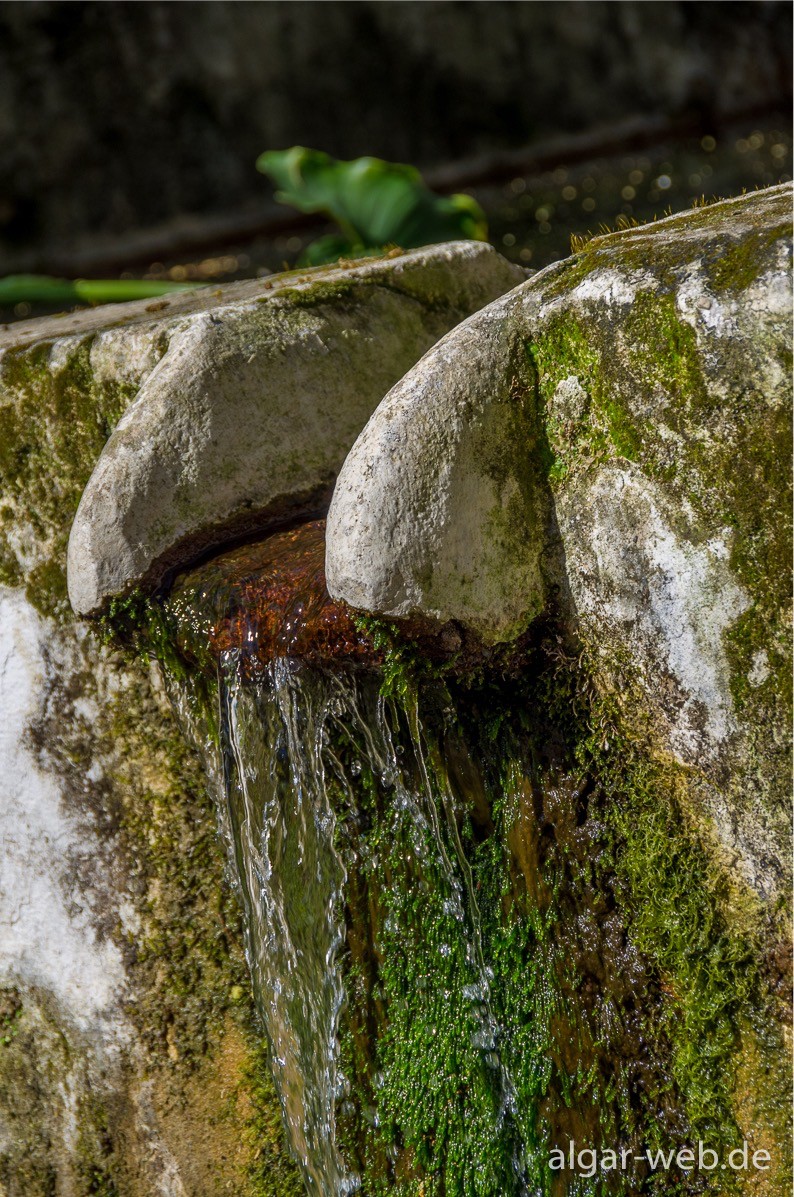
[(685, 971), (95, 1156), (53, 426), (33, 1109), (271, 1171), (568, 350), (739, 263), (10, 1013), (721, 461), (322, 291), (429, 290), (662, 350), (188, 958), (683, 915), (733, 260), (141, 625)]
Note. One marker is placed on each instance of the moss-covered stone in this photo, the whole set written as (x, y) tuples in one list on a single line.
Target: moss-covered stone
[(654, 361), (654, 371), (160, 1074)]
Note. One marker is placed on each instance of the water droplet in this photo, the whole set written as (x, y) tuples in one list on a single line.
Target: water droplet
[(355, 769), (474, 993)]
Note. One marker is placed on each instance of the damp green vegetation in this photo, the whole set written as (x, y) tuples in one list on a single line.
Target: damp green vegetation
[(271, 1171), (737, 258), (187, 959), (31, 1158), (146, 629), (730, 470), (10, 1011), (643, 394), (317, 289), (320, 292), (95, 1151), (737, 265), (26, 1158), (631, 1000), (702, 936), (679, 901), (593, 425), (189, 919)]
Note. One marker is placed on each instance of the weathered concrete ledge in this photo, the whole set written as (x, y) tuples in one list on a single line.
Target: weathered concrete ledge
[(612, 439), (252, 406)]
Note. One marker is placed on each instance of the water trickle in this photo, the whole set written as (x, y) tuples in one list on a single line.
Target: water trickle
[(291, 878), (422, 926), (278, 735)]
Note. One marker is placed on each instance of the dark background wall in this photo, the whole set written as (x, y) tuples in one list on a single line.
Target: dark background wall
[(117, 116)]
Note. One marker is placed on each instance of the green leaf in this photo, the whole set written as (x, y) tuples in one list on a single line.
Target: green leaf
[(40, 288), (375, 203)]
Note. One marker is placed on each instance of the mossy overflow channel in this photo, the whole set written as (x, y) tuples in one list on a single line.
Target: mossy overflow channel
[(478, 924)]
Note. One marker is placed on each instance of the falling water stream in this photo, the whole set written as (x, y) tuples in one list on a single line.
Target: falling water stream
[(278, 737), (437, 1004)]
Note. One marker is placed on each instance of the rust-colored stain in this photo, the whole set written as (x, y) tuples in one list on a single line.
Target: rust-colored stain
[(267, 600)]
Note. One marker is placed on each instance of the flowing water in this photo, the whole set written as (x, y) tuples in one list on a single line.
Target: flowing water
[(446, 984), (278, 736)]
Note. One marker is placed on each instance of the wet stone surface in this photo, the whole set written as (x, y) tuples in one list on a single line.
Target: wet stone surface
[(476, 920), (266, 600)]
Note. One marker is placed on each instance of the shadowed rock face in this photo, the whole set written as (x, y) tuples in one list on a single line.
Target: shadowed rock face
[(612, 438), (248, 415)]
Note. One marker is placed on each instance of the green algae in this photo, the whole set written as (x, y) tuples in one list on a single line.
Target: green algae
[(31, 1160), (188, 970), (567, 351), (437, 1102), (96, 1164), (735, 257), (271, 1170), (322, 291), (721, 459), (430, 289)]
